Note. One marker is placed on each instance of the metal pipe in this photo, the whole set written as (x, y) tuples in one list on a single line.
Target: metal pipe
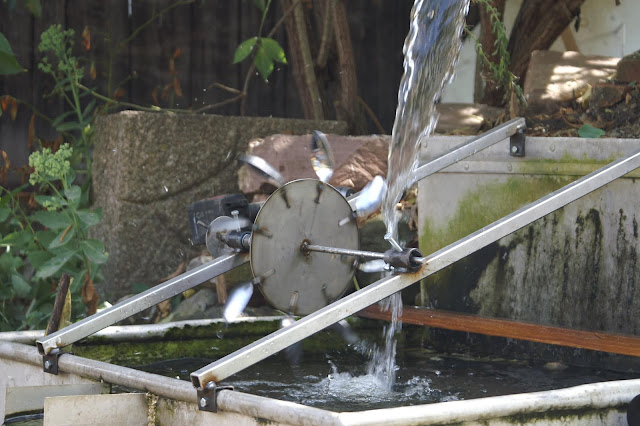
[(433, 263), (140, 302), (478, 143), (181, 390)]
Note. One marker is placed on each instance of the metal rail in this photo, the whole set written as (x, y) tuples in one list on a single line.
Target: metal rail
[(478, 143), (385, 287), (140, 302)]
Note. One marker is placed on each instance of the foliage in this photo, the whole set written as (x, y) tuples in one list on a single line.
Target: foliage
[(588, 131), (499, 71), (38, 246), (8, 62), (266, 51), (35, 256)]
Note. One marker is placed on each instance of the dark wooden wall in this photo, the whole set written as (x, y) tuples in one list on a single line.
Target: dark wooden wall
[(207, 32)]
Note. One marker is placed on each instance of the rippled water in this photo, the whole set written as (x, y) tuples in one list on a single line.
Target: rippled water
[(430, 52), (340, 381)]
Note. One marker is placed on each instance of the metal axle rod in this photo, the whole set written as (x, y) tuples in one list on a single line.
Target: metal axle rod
[(355, 302), (346, 252)]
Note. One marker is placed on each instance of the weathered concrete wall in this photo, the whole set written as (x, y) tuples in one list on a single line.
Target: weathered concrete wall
[(577, 267), (147, 169)]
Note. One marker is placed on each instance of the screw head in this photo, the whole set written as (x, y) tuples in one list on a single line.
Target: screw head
[(514, 149), (203, 402), (47, 365)]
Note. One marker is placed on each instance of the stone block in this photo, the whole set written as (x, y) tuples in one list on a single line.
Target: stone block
[(556, 78), (291, 156), (148, 167)]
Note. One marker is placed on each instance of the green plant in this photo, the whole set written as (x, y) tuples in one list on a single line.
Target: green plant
[(67, 73), (499, 71), (266, 51), (38, 248), (588, 131)]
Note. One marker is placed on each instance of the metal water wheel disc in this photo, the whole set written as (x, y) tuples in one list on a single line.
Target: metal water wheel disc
[(303, 211)]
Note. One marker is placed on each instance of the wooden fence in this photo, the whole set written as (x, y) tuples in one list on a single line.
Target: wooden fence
[(131, 51)]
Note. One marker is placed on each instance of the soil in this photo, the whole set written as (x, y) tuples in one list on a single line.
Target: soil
[(620, 120)]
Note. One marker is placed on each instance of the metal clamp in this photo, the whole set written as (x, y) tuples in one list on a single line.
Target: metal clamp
[(208, 395), (516, 144), (50, 361)]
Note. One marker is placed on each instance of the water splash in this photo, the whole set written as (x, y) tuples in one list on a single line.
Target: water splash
[(383, 360), (430, 52)]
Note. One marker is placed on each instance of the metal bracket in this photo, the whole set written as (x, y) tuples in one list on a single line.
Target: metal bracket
[(516, 144), (50, 361), (208, 395)]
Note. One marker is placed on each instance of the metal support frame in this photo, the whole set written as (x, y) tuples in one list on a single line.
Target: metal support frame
[(50, 361), (208, 397), (516, 144), (140, 302), (342, 308)]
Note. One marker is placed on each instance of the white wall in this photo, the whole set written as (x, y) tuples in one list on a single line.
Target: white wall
[(605, 29)]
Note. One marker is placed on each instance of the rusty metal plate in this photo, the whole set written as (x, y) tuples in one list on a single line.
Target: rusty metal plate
[(291, 280)]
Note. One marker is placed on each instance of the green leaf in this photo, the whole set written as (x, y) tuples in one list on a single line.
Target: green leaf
[(259, 4), (53, 200), (8, 62), (94, 250), (52, 220), (54, 264), (15, 239), (88, 109), (4, 213), (264, 63), (59, 119), (89, 218), (588, 131), (273, 50), (73, 194), (38, 258), (20, 285), (63, 238), (244, 49), (69, 125), (34, 7)]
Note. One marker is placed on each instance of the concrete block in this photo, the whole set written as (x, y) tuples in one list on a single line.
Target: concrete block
[(148, 167)]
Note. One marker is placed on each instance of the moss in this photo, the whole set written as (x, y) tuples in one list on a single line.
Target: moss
[(486, 204)]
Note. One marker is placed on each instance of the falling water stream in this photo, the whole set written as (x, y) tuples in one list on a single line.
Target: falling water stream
[(430, 52)]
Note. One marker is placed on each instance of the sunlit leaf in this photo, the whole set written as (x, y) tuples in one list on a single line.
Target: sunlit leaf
[(273, 49), (264, 63), (244, 49), (588, 131), (8, 62)]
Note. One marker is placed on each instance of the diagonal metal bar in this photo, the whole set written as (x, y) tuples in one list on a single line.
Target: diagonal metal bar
[(275, 342), (476, 144), (140, 302)]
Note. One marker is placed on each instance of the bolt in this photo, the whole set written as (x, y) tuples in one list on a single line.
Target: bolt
[(47, 365), (515, 149), (203, 402)]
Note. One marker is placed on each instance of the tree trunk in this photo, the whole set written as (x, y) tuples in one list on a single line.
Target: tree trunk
[(537, 26), (493, 92), (301, 62), (348, 106)]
